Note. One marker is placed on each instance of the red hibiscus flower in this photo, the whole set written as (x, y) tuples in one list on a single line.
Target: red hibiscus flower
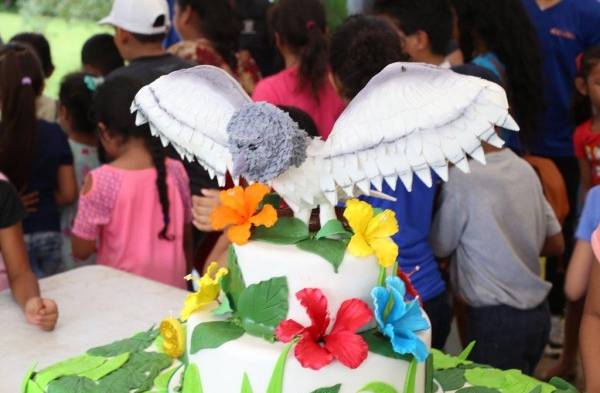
[(316, 349)]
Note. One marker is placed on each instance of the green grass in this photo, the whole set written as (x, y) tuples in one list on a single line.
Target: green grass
[(66, 39)]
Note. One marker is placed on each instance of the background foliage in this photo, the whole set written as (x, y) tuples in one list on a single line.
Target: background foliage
[(68, 9)]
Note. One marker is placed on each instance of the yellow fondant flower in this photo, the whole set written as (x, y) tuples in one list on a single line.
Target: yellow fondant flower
[(209, 288), (372, 233), (173, 336)]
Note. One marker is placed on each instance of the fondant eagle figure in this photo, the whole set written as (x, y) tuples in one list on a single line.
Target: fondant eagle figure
[(410, 118)]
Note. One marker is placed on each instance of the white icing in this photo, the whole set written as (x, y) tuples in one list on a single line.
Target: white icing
[(356, 277)]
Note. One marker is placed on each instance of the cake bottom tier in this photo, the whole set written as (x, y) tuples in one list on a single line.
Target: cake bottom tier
[(222, 369)]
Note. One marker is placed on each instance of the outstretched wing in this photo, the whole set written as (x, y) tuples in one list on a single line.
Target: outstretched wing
[(191, 109), (410, 118)]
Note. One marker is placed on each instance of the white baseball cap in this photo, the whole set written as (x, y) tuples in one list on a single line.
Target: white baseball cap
[(139, 16)]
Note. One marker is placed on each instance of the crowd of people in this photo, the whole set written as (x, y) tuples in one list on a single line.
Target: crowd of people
[(81, 183)]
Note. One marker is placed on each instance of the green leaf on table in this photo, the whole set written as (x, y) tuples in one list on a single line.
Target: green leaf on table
[(333, 251), (246, 387), (464, 355), (162, 381), (137, 375), (491, 378), (191, 380), (224, 308), (381, 345), (137, 343), (263, 306), (451, 379), (477, 389), (27, 378), (333, 228), (73, 366), (33, 387), (276, 381), (108, 367), (331, 389), (378, 387), (562, 386), (537, 389), (72, 384), (411, 378), (272, 199), (214, 334), (285, 231), (442, 361), (233, 283)]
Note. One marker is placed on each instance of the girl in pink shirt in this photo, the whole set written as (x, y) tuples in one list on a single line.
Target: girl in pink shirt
[(299, 27), (136, 211)]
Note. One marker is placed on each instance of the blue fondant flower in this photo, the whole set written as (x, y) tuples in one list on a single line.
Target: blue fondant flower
[(400, 320)]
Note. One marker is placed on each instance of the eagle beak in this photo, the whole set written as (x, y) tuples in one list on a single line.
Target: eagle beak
[(240, 166)]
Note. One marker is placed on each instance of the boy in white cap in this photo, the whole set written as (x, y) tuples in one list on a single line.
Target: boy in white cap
[(140, 28)]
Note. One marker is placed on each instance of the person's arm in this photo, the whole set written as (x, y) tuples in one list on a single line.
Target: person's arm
[(554, 246), (66, 187), (590, 333), (586, 177), (85, 229), (578, 274), (202, 207), (448, 224), (23, 283)]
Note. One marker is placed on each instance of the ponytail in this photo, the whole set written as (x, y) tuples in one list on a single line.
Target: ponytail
[(302, 26), (158, 158), (21, 81)]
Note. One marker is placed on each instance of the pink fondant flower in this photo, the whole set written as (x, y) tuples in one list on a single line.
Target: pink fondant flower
[(316, 349)]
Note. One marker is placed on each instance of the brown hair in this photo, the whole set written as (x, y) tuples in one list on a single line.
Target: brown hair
[(302, 25), (21, 81)]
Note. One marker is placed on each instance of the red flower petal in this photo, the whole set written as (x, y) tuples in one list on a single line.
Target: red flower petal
[(310, 354), (352, 315), (315, 303), (287, 330), (348, 348)]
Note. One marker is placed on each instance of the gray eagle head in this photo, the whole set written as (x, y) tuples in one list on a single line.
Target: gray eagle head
[(264, 142)]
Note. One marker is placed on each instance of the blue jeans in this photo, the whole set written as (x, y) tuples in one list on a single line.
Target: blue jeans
[(508, 338), (45, 252)]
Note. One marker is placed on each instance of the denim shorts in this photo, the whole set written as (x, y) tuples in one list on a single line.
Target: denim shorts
[(45, 252)]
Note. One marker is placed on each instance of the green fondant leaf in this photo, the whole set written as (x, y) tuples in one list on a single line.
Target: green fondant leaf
[(378, 387), (224, 308), (263, 306), (562, 386), (411, 378), (441, 361), (477, 389), (285, 231), (464, 355), (137, 343), (162, 381), (331, 389), (537, 389), (158, 344), (429, 374), (108, 367), (270, 199), (74, 366), (451, 379), (333, 228), (137, 375), (233, 283), (276, 382), (333, 251), (246, 387), (27, 378), (191, 380), (214, 334), (381, 345), (72, 384), (33, 387)]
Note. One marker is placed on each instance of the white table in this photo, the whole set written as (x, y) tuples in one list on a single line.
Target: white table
[(97, 305)]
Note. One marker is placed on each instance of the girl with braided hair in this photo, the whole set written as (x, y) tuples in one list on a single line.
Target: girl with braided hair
[(134, 212)]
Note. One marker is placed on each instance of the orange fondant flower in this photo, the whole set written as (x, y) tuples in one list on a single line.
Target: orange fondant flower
[(238, 211)]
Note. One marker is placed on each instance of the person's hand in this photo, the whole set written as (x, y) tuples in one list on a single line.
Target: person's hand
[(42, 313), (30, 201), (202, 207)]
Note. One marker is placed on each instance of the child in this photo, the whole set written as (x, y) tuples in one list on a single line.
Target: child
[(136, 209), (300, 35), (590, 326), (425, 27), (495, 229), (100, 55), (76, 99), (361, 48), (46, 106), (35, 156), (587, 136), (14, 266)]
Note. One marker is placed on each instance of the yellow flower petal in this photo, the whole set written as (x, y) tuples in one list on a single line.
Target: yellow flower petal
[(173, 336), (386, 251), (359, 247), (358, 214), (212, 269), (382, 225)]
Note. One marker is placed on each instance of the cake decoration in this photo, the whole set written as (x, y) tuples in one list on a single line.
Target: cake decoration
[(173, 336), (316, 348), (209, 288)]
